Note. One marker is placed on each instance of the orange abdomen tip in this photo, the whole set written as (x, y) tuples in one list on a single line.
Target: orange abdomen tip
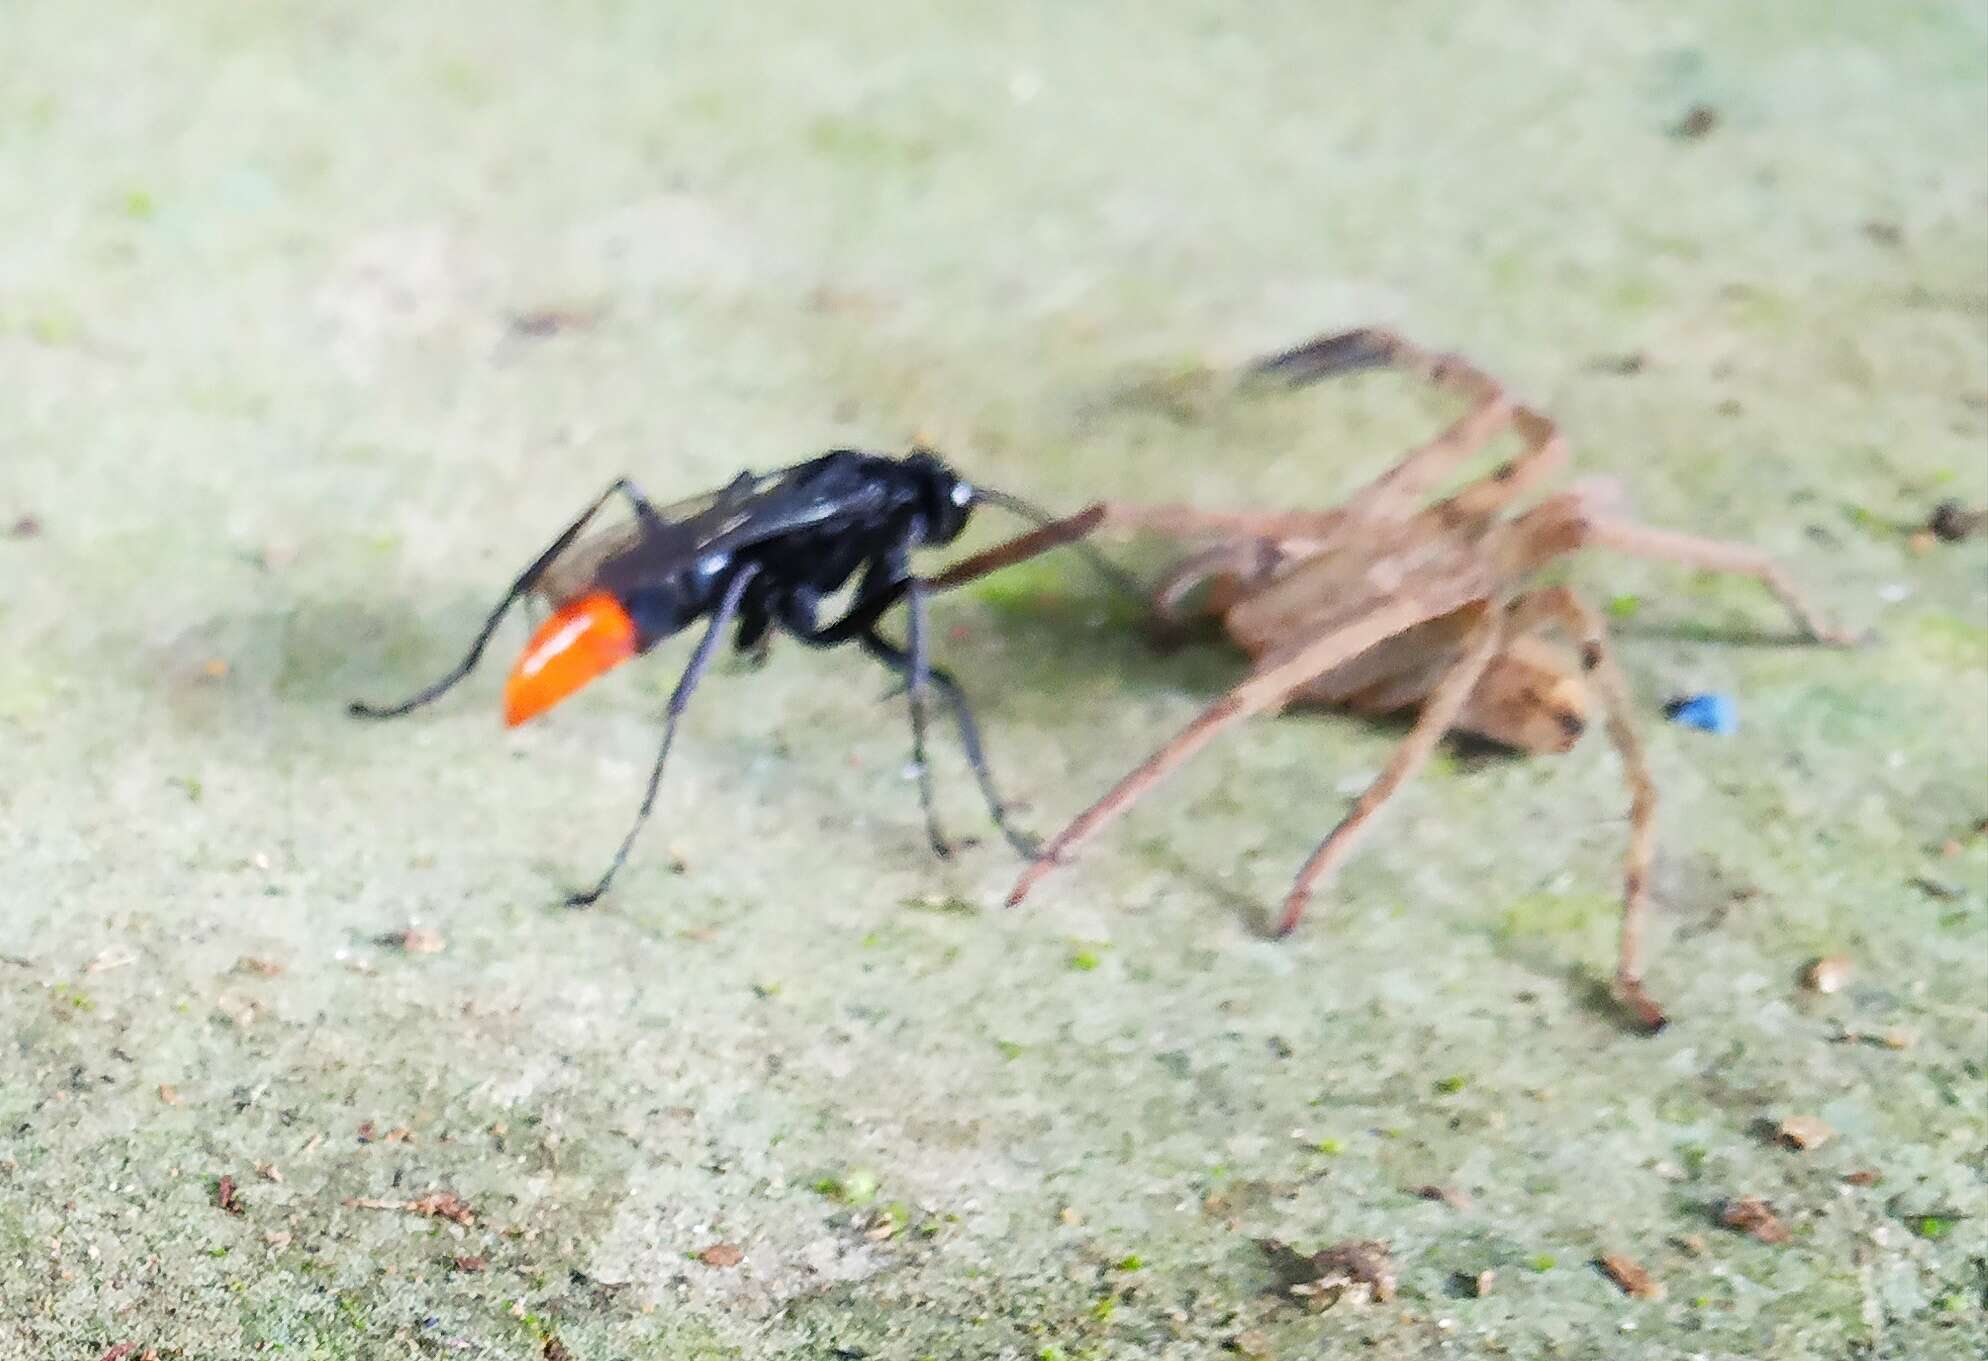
[(582, 639)]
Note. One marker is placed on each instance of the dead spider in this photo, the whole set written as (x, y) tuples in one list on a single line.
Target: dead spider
[(1386, 604)]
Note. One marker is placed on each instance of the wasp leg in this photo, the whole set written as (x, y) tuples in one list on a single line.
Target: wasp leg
[(969, 735), (1025, 845), (621, 486), (917, 683), (700, 660), (886, 581)]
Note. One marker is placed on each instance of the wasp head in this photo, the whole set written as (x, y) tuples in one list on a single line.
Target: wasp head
[(946, 498)]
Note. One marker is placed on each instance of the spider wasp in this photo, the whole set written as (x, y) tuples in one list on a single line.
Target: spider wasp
[(763, 553)]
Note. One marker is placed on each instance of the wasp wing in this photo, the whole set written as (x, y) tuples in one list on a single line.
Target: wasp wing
[(750, 509)]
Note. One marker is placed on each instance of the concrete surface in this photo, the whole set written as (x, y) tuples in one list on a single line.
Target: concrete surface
[(268, 404)]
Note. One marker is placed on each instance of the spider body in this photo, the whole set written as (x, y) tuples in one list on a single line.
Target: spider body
[(1391, 603)]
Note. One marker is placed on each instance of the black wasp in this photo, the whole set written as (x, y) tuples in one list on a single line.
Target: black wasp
[(764, 551)]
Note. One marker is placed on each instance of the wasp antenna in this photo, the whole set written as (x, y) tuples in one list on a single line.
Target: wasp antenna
[(1067, 534)]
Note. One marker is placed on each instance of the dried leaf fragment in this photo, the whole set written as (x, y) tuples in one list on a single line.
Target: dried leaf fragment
[(443, 1205), (1753, 1216), (721, 1255), (471, 1263), (1804, 1132), (434, 1205), (1357, 1270), (224, 1196), (169, 1094), (267, 968), (1863, 1177), (1632, 1276)]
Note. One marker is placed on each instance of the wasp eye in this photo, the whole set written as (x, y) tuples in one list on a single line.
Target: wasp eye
[(581, 640)]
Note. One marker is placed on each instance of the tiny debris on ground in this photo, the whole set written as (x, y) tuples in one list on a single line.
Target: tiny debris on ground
[(1828, 974), (267, 968), (1483, 1283), (542, 322), (554, 1349), (1250, 1343), (721, 1255), (1884, 233), (1863, 1176), (1804, 1132), (1357, 1270), (224, 1196), (1934, 889), (1634, 1279), (169, 1094), (470, 1264), (27, 527), (1753, 1216), (1449, 1195), (1891, 1037), (1699, 122), (1951, 522), (434, 1205), (1713, 713), (416, 940)]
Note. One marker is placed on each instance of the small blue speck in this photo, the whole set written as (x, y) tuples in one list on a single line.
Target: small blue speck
[(1714, 713)]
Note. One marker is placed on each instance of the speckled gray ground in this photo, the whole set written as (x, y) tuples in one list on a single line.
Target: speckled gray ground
[(258, 265)]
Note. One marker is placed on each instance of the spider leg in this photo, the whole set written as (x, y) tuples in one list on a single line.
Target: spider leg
[(1713, 555), (1438, 714), (1269, 686), (1296, 530), (1393, 494), (526, 579), (1582, 624), (700, 661), (1019, 549), (1544, 454)]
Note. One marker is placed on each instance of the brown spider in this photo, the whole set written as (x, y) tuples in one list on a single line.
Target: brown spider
[(1386, 604)]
